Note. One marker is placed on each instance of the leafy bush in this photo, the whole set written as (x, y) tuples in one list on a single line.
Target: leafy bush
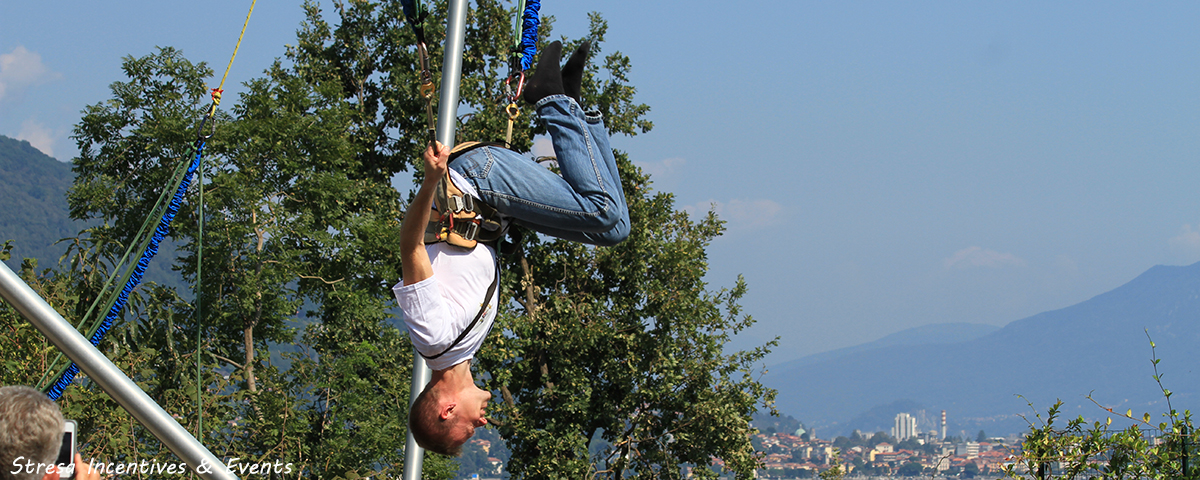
[(1143, 450)]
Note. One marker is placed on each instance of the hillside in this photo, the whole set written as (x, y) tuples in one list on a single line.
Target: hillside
[(1097, 346), (925, 335), (34, 212), (33, 204)]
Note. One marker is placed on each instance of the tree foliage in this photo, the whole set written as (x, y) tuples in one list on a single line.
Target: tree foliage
[(1083, 449), (624, 345), (606, 362)]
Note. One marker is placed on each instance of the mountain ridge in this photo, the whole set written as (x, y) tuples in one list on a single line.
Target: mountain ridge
[(932, 334), (1097, 347), (33, 203)]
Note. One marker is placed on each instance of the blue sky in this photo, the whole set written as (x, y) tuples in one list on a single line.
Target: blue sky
[(882, 165)]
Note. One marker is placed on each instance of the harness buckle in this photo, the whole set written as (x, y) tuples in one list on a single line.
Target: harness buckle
[(472, 232), (456, 203)]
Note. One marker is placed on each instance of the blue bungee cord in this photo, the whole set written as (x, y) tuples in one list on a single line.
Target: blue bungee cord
[(525, 36), (135, 279), (527, 46)]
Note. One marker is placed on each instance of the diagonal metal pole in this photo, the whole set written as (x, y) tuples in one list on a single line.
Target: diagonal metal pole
[(456, 25), (111, 379)]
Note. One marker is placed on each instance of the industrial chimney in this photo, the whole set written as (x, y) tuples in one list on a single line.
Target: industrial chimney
[(943, 424)]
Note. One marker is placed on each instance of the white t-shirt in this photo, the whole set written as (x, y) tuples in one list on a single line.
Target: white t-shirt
[(439, 308)]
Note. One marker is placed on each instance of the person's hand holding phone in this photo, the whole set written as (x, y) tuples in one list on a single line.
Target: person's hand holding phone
[(84, 471)]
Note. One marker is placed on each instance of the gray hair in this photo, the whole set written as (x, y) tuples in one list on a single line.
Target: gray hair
[(31, 426)]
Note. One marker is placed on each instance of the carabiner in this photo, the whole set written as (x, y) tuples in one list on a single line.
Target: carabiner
[(520, 85)]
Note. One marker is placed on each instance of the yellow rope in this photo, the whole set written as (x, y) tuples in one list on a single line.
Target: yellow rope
[(216, 95)]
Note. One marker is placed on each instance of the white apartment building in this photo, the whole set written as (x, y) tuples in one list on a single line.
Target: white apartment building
[(905, 428)]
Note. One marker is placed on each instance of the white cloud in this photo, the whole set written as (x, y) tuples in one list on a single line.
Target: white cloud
[(37, 135), (739, 213), (664, 168), (971, 257), (1065, 264), (1188, 240), (22, 68)]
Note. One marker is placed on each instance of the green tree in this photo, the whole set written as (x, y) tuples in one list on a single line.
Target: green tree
[(880, 437), (970, 470), (24, 352), (624, 342), (910, 443), (291, 218), (835, 470), (910, 469)]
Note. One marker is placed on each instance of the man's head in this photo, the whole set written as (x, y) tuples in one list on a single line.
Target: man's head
[(30, 426), (442, 420)]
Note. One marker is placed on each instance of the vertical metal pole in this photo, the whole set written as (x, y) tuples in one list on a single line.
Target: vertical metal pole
[(111, 379), (414, 455), (456, 25)]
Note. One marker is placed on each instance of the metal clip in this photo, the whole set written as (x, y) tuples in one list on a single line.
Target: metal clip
[(426, 90), (512, 97)]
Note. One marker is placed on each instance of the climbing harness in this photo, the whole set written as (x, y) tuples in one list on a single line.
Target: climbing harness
[(458, 218), (463, 220)]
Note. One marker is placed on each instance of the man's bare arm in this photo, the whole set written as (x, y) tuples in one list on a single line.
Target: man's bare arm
[(414, 261)]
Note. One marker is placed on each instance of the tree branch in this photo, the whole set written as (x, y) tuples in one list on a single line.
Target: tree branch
[(327, 282), (226, 360)]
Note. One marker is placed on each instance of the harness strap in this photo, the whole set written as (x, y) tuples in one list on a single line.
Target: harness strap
[(487, 300)]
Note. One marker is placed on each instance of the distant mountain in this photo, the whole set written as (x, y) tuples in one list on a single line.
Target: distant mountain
[(937, 334), (34, 212), (33, 202), (1098, 346)]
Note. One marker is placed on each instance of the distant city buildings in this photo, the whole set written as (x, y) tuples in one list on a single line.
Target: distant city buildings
[(908, 451), (967, 449), (905, 428), (787, 456)]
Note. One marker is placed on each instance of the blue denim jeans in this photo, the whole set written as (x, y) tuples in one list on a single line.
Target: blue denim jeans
[(586, 204)]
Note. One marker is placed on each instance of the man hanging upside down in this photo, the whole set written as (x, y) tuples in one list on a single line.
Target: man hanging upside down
[(448, 290)]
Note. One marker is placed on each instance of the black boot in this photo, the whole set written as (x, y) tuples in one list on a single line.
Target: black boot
[(572, 72), (547, 79)]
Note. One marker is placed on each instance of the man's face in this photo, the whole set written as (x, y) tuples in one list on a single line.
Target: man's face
[(472, 414)]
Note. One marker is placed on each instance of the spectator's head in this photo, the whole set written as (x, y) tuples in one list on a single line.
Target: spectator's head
[(31, 426), (442, 421)]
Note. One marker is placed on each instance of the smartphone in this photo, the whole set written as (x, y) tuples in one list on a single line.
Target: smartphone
[(66, 454)]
